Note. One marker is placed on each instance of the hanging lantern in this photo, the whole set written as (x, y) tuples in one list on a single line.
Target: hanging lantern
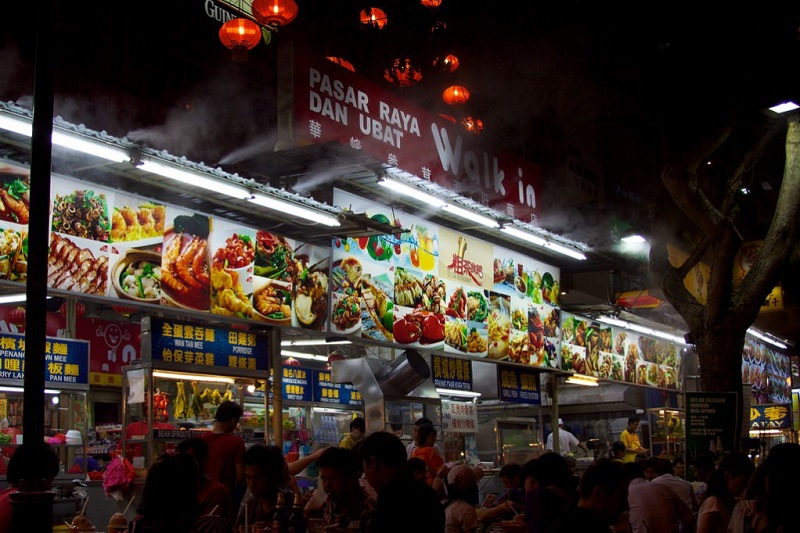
[(446, 64), (455, 95), (431, 3), (335, 356), (291, 361), (373, 18), (240, 35), (438, 28), (472, 125), (17, 316), (402, 73), (275, 12), (342, 63), (80, 310)]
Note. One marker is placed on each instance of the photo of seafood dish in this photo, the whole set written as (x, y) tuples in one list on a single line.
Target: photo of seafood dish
[(15, 201), (13, 255), (477, 306), (137, 276), (82, 214), (346, 273), (185, 273), (74, 268), (136, 223), (346, 312), (274, 257), (420, 328), (273, 302)]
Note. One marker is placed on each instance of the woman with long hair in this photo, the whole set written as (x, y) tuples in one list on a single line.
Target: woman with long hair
[(725, 485)]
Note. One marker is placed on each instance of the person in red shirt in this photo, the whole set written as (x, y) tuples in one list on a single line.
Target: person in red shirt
[(226, 451)]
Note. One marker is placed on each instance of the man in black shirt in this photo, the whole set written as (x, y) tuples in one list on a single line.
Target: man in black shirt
[(404, 504)]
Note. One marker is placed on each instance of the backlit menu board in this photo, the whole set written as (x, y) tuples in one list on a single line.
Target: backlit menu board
[(66, 360), (768, 371)]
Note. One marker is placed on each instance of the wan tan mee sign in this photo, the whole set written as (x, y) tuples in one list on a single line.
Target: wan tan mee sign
[(332, 104)]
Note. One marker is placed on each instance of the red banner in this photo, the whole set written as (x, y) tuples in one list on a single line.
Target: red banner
[(334, 104)]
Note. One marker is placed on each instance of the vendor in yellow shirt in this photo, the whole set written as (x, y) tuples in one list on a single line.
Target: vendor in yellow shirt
[(357, 429), (631, 440)]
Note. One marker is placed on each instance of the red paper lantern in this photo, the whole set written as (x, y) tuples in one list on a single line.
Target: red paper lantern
[(431, 3), (335, 357), (240, 35), (373, 18), (455, 95), (446, 64), (342, 63), (80, 310), (291, 361), (275, 12), (403, 73), (17, 316), (472, 125)]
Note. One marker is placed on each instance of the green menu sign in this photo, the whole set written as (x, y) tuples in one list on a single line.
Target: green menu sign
[(711, 420)]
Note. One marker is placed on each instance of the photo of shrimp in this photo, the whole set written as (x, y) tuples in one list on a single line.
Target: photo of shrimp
[(185, 276), (134, 223), (15, 200)]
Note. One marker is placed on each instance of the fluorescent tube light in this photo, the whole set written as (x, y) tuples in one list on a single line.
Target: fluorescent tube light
[(586, 381), (191, 377), (784, 107), (563, 250), (524, 235), (291, 208), (86, 146), (315, 342), (412, 192), (765, 338), (303, 355), (612, 321), (13, 298), (471, 215), (16, 125), (5, 388), (195, 179), (455, 392), (634, 239)]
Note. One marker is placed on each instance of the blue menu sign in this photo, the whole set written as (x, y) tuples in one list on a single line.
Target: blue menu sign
[(297, 384), (325, 391), (194, 344), (771, 416), (67, 360), (451, 373), (518, 385)]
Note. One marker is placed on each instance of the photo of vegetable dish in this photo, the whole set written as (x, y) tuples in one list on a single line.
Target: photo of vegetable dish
[(13, 255), (82, 214), (477, 306), (274, 258)]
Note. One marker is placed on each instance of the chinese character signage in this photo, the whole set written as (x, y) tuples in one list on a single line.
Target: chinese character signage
[(66, 360), (711, 421), (518, 385), (771, 416), (296, 384), (459, 417), (325, 391), (451, 373), (193, 344)]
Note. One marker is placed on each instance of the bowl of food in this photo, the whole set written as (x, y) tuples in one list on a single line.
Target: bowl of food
[(272, 302), (137, 276), (117, 523)]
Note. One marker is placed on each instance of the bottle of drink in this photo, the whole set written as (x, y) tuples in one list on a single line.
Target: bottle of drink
[(297, 522), (279, 521)]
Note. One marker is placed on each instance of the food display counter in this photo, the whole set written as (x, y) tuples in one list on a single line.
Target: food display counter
[(666, 431), (186, 371)]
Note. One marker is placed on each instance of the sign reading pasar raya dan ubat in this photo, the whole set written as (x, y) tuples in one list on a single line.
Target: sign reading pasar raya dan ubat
[(334, 104)]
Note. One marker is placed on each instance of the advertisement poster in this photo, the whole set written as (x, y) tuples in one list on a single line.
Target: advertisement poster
[(594, 349), (711, 420), (768, 371)]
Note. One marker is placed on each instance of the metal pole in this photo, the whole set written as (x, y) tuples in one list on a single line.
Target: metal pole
[(32, 507), (277, 386), (554, 412)]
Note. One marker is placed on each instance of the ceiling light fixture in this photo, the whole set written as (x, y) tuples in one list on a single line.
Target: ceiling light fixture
[(775, 342), (412, 192), (634, 239), (13, 298), (192, 377), (195, 179), (461, 393), (586, 381), (297, 210), (472, 215), (302, 355), (784, 107), (661, 334), (16, 125), (315, 342)]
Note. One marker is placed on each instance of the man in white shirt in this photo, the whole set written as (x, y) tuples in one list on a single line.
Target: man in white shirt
[(567, 441), (654, 507), (681, 487)]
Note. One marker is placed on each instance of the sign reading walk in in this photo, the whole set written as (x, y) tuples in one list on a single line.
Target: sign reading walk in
[(711, 419)]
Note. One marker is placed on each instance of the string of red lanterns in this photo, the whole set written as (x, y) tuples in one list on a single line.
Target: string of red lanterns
[(455, 95), (275, 12), (373, 18), (240, 35), (403, 73)]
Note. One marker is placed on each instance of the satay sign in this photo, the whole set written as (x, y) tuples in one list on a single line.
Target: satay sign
[(332, 104)]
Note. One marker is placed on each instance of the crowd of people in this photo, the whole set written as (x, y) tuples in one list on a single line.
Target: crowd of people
[(377, 483)]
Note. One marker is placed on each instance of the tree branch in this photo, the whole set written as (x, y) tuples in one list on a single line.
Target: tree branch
[(694, 258)]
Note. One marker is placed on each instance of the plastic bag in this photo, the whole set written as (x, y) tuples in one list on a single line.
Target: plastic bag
[(118, 477)]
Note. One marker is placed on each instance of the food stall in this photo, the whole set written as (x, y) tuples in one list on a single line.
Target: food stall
[(186, 371)]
